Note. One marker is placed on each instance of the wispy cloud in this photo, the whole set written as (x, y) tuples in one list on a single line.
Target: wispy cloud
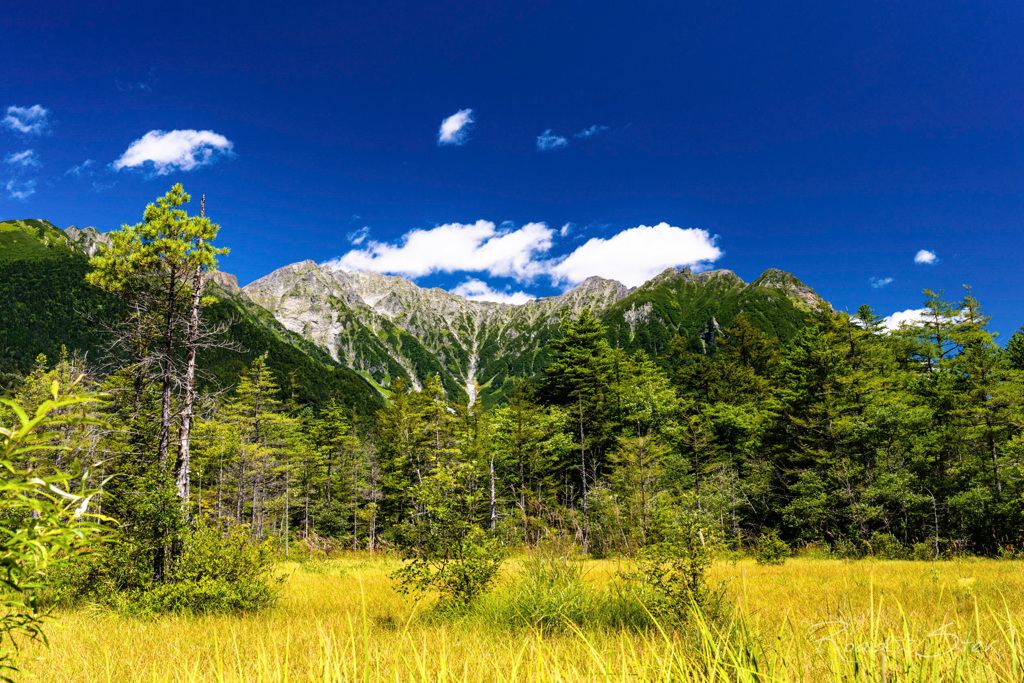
[(566, 229), (84, 168), (548, 141), (636, 255), (590, 132), (135, 84), (926, 258), (478, 290), (17, 189), (357, 237), (24, 159), (32, 120), (879, 282), (100, 188), (455, 129), (175, 150), (455, 247)]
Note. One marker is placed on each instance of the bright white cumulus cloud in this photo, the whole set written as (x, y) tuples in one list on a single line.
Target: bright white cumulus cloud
[(636, 255), (925, 257), (910, 316), (455, 129), (478, 290), (632, 256), (453, 247), (174, 150), (32, 120), (25, 158)]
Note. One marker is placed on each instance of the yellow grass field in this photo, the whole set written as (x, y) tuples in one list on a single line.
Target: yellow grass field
[(808, 620)]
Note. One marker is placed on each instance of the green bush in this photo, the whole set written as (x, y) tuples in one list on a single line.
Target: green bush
[(671, 576), (771, 549), (446, 550), (216, 572)]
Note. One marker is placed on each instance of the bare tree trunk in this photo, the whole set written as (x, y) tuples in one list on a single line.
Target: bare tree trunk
[(583, 473), (184, 465), (494, 509), (167, 373), (355, 502)]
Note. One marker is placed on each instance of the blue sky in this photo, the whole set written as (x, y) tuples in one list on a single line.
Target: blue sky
[(832, 140)]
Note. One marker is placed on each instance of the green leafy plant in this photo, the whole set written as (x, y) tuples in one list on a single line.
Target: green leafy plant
[(447, 550), (43, 525), (771, 549), (671, 575)]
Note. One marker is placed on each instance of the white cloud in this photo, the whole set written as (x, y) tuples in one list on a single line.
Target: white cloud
[(908, 317), (27, 120), (591, 131), (454, 247), (21, 190), (82, 169), (879, 282), (25, 158), (176, 150), (455, 129), (566, 229), (925, 257), (357, 237), (478, 290), (636, 255), (548, 141)]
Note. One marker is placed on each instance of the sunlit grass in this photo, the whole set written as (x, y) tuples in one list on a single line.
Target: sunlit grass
[(807, 620)]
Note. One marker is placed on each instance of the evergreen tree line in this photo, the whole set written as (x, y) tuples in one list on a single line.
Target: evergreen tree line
[(906, 443)]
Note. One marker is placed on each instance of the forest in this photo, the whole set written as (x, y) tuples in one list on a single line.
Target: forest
[(848, 440)]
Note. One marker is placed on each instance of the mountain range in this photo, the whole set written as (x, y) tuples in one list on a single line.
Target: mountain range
[(370, 328)]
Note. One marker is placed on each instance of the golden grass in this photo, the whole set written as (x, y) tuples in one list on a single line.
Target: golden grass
[(807, 620)]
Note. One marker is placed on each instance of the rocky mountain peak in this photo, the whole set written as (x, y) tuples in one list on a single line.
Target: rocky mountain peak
[(87, 239)]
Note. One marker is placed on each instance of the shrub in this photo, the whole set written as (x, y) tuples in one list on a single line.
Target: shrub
[(771, 549), (215, 572), (887, 547), (446, 550), (671, 575)]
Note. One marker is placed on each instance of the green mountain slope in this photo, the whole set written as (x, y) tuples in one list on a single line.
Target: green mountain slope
[(45, 303)]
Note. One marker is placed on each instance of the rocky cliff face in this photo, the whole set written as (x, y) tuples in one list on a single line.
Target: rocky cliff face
[(88, 240), (386, 326)]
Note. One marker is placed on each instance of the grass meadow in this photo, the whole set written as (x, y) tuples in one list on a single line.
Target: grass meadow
[(806, 620)]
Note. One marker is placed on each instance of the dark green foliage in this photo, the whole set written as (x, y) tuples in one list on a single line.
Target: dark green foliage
[(45, 303), (771, 549), (216, 570)]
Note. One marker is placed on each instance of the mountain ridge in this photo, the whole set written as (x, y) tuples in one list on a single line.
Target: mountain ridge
[(373, 322), (385, 326)]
